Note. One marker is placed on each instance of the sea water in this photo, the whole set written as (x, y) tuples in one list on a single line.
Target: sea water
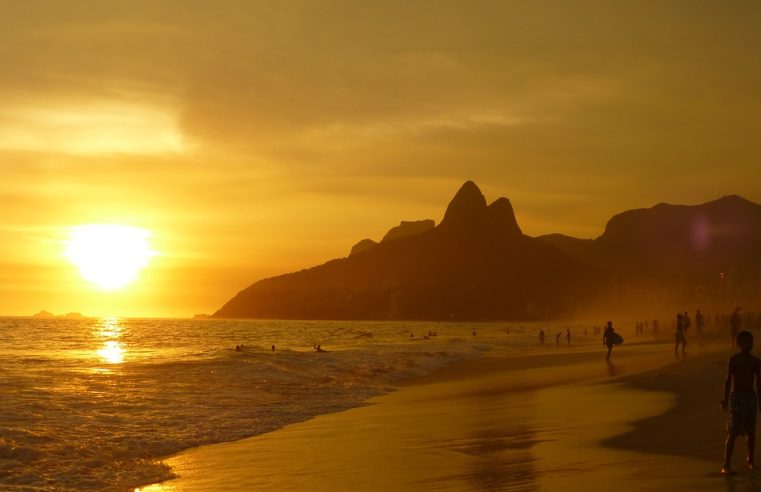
[(94, 404)]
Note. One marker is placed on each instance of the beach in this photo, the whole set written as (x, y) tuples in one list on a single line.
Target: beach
[(557, 419)]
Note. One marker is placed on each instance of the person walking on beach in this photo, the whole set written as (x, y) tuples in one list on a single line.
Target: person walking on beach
[(735, 322), (557, 338), (541, 337), (680, 338), (700, 322), (607, 339), (568, 335), (744, 379)]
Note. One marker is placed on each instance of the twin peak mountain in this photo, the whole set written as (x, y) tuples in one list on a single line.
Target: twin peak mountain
[(466, 213), (478, 265)]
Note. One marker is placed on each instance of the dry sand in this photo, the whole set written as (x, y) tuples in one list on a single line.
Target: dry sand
[(552, 420)]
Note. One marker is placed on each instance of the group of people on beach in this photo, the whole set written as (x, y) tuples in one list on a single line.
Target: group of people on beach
[(683, 323), (558, 335), (641, 327), (608, 337), (317, 348), (743, 381), (742, 384)]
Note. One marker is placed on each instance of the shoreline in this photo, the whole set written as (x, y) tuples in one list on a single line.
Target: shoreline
[(500, 386), (696, 413)]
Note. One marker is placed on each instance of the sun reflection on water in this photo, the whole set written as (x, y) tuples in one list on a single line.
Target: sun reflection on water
[(109, 330), (112, 352)]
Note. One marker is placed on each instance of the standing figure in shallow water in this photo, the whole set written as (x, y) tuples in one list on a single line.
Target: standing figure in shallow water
[(679, 335), (700, 322)]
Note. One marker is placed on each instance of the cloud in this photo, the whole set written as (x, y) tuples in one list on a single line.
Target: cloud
[(89, 127)]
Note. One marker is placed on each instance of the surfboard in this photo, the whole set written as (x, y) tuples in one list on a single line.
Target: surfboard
[(616, 339)]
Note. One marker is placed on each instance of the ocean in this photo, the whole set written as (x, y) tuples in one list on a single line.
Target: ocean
[(94, 404)]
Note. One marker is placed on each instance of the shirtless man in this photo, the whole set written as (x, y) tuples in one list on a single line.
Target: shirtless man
[(744, 379)]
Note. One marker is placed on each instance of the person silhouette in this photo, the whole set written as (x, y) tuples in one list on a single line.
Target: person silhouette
[(607, 339), (700, 322), (743, 379), (541, 337), (679, 334)]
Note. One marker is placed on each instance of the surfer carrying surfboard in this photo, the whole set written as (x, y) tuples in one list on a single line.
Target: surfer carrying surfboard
[(610, 338)]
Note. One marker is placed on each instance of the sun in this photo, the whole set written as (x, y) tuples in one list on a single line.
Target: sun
[(109, 255)]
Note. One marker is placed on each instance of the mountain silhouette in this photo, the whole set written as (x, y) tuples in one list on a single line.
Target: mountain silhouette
[(408, 228), (476, 264), (676, 245), (362, 246), (405, 228)]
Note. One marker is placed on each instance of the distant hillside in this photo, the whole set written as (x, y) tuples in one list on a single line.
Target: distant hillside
[(476, 264), (43, 314), (574, 246), (669, 244), (406, 228), (362, 246)]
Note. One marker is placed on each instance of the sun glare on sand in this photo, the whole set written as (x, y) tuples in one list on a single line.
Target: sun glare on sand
[(109, 256)]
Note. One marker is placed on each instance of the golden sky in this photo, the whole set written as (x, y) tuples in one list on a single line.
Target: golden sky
[(257, 138)]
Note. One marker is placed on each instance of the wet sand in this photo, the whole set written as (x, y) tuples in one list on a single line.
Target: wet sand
[(554, 419)]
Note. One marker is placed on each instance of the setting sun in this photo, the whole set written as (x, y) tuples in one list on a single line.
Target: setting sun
[(109, 256)]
